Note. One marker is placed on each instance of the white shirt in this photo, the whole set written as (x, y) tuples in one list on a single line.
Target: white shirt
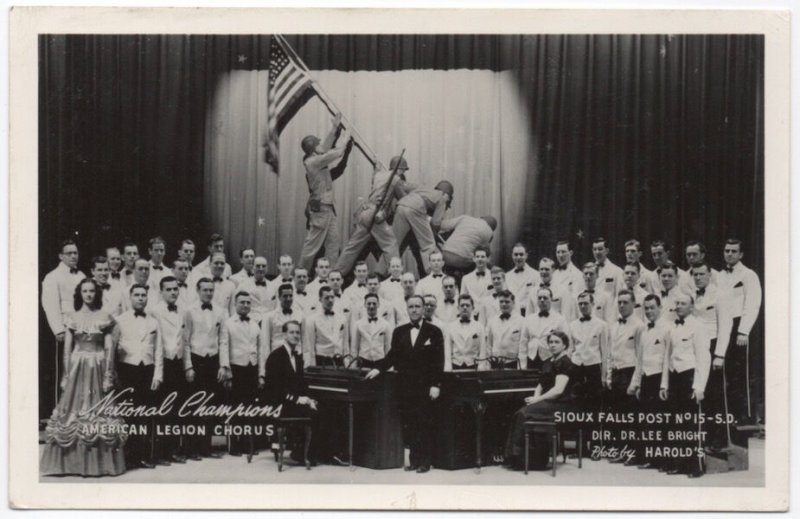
[(325, 335), (240, 277), (638, 306), (156, 274), (312, 288), (560, 302), (391, 289), (223, 296), (203, 270), (668, 303), (354, 294), (742, 288), (652, 358), (272, 324), (243, 344), (58, 292), (689, 349), (138, 342), (171, 325), (204, 332), (537, 328), (447, 312), (386, 311), (602, 308), (432, 285), (658, 287), (590, 341), (465, 342), (522, 283), (713, 313), (609, 278), (625, 340), (475, 285), (568, 280), (371, 340), (305, 302), (505, 338), (113, 300), (261, 302)]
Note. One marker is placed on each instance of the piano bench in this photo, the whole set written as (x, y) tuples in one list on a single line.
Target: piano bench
[(283, 424), (556, 433)]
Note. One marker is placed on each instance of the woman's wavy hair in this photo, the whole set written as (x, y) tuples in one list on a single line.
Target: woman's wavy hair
[(98, 295)]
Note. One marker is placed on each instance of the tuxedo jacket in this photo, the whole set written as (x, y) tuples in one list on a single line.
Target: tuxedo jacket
[(419, 365), (283, 383)]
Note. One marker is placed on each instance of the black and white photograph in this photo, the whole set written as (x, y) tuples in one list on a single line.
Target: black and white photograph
[(497, 258)]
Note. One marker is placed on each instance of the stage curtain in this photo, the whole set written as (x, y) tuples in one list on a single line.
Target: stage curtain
[(465, 126)]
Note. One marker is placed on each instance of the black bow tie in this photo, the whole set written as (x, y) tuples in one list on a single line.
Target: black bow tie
[(328, 312), (128, 272), (664, 293), (73, 271), (544, 314), (301, 293), (505, 317), (544, 285), (362, 285), (465, 321), (519, 270), (261, 283), (372, 319), (139, 313), (172, 308), (217, 279), (115, 275), (589, 291), (393, 280), (181, 284), (562, 267), (287, 280), (104, 286), (701, 292), (480, 274), (190, 268), (205, 306), (651, 325), (158, 267), (729, 269), (585, 319), (416, 325), (437, 275), (679, 321), (449, 301), (287, 312), (429, 319), (244, 318), (601, 265), (623, 320)]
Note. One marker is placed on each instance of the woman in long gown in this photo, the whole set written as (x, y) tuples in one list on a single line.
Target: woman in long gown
[(78, 440), (554, 393)]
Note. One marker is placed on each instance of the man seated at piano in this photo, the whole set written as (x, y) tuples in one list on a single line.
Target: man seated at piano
[(284, 385), (466, 338), (553, 394), (326, 340), (417, 353), (371, 334)]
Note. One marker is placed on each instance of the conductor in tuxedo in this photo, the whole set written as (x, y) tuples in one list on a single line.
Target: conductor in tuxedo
[(284, 385), (417, 353)]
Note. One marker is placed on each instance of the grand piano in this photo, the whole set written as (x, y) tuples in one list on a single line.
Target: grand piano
[(374, 434), (466, 394)]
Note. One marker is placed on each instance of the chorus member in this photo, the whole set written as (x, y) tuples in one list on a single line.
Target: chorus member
[(187, 295), (112, 295), (115, 267), (216, 245), (432, 283), (139, 353), (417, 353), (561, 300), (567, 278), (371, 335), (72, 445), (505, 336), (409, 285), (466, 338), (539, 325), (489, 305), (169, 313), (522, 278), (354, 294), (652, 370), (466, 233), (668, 276), (633, 256), (625, 341), (660, 252), (243, 360), (589, 336), (447, 310), (204, 329), (321, 272), (273, 322), (429, 304), (603, 306), (412, 215), (373, 216), (130, 254), (742, 289), (322, 226), (477, 282), (609, 276), (390, 287), (342, 305), (632, 284), (306, 302), (285, 275), (141, 276), (261, 301), (187, 252), (696, 255), (246, 259), (553, 394), (223, 288), (689, 362), (157, 249), (386, 309), (326, 334)]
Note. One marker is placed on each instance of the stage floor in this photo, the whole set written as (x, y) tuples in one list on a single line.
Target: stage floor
[(263, 469)]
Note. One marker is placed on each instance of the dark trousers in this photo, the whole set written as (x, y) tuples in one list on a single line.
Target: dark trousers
[(205, 379), (681, 403), (589, 386), (417, 416), (139, 447), (325, 362), (736, 376), (51, 366), (650, 402), (619, 401), (174, 381), (714, 404), (244, 391)]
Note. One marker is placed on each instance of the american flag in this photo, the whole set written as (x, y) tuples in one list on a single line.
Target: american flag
[(288, 82)]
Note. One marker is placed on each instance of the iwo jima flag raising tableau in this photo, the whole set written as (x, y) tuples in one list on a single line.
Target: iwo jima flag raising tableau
[(290, 257)]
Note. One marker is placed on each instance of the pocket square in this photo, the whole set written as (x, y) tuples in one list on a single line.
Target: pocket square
[(710, 307), (427, 343), (738, 285), (475, 336)]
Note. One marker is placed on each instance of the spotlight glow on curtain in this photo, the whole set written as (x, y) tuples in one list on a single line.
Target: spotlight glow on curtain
[(466, 126)]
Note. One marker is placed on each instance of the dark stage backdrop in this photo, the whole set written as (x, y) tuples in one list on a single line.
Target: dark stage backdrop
[(638, 136)]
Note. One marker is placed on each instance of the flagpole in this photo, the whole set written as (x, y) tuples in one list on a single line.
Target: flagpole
[(329, 104)]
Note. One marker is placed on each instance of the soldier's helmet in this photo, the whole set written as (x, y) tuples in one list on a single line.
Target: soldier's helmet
[(309, 144)]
